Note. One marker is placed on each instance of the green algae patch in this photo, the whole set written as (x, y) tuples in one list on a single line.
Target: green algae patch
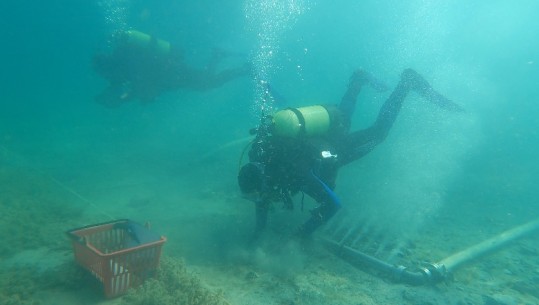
[(174, 284), (34, 213)]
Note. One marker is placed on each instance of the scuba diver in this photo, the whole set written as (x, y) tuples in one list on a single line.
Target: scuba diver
[(141, 67), (301, 149)]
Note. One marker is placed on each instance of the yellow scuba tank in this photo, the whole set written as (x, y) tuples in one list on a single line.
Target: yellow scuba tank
[(144, 40), (303, 121)]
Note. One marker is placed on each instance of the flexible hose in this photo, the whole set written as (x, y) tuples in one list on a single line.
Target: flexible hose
[(454, 261), (435, 272)]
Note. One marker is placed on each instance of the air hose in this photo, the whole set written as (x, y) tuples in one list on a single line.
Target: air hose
[(434, 272)]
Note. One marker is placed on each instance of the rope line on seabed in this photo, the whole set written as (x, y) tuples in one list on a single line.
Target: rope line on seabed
[(59, 183)]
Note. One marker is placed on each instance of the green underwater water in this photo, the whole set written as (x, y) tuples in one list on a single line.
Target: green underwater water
[(439, 183)]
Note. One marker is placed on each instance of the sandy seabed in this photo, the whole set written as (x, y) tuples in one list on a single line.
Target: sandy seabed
[(207, 259)]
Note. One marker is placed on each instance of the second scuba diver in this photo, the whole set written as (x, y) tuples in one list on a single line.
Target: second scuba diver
[(141, 67)]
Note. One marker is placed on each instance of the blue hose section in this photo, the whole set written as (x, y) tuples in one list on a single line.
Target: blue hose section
[(336, 201)]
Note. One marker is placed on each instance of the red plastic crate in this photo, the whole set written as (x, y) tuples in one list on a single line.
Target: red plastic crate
[(121, 253)]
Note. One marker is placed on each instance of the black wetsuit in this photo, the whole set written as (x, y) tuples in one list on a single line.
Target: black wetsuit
[(292, 165)]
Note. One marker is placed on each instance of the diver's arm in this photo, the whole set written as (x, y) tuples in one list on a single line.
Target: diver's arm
[(261, 213), (328, 200)]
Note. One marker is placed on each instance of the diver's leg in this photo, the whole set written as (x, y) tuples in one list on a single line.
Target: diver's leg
[(417, 83), (410, 80), (319, 216), (231, 74), (360, 143), (217, 56), (206, 81), (202, 80), (359, 78), (206, 77), (320, 191)]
